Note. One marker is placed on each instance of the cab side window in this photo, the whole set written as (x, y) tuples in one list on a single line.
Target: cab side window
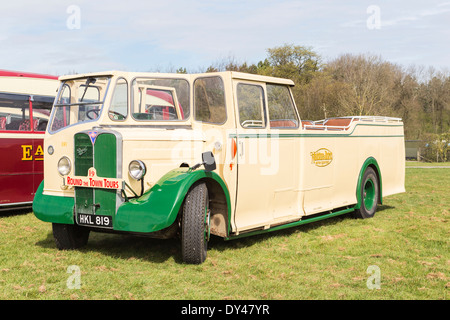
[(281, 108), (119, 104), (250, 100), (61, 116), (209, 100)]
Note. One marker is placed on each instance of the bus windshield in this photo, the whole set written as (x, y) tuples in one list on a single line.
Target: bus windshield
[(78, 100)]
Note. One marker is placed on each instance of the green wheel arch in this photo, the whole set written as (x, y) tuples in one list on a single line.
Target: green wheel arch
[(370, 162), (158, 207)]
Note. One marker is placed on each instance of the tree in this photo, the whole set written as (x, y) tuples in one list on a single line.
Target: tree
[(435, 98), (372, 81), (407, 105), (322, 97), (294, 62), (230, 64)]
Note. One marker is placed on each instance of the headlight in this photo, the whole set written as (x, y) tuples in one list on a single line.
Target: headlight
[(64, 166), (137, 169)]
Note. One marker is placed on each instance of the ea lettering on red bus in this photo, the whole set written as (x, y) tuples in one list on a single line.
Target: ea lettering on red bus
[(28, 154)]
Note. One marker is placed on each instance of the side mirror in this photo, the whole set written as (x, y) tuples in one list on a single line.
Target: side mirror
[(208, 161)]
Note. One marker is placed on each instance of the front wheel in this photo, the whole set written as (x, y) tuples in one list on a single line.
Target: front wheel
[(369, 195), (195, 225), (70, 236)]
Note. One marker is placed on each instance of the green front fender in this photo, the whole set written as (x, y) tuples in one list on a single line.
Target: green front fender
[(52, 208), (158, 207)]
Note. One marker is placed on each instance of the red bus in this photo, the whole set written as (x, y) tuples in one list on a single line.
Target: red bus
[(26, 100)]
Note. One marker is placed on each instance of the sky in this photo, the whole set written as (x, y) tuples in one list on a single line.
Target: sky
[(68, 36)]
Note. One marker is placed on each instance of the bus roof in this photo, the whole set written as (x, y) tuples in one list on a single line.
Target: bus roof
[(28, 83), (8, 73), (233, 74)]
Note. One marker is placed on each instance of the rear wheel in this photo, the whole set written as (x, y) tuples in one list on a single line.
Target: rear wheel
[(369, 195), (195, 225), (70, 236)]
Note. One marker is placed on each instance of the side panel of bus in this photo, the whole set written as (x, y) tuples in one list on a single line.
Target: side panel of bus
[(23, 119)]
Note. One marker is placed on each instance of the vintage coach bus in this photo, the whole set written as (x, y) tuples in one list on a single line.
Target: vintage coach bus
[(192, 155), (26, 100)]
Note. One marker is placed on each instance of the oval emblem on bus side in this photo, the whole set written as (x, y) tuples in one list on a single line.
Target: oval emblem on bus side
[(321, 157)]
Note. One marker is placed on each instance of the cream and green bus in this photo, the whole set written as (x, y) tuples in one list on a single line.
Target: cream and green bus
[(195, 155)]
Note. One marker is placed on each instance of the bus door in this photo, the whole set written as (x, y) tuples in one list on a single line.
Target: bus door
[(267, 184)]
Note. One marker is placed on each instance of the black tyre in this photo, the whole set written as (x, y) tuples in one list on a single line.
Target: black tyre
[(70, 236), (369, 193), (195, 225)]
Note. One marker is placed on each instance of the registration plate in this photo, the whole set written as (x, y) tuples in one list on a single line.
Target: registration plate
[(94, 220)]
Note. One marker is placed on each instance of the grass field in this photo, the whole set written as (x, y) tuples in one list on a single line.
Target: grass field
[(407, 243), (427, 164)]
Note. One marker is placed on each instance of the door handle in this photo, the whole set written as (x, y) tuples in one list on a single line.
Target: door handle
[(241, 148)]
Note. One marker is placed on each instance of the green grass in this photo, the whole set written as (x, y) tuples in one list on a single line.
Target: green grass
[(407, 240), (427, 164)]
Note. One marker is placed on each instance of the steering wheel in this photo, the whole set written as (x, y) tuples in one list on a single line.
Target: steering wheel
[(96, 111), (121, 116)]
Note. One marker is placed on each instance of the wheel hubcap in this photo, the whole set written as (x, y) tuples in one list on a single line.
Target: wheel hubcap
[(369, 194)]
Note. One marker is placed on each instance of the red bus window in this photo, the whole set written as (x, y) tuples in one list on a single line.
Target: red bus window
[(42, 107), (14, 112)]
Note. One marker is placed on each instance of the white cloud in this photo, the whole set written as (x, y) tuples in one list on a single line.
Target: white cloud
[(440, 9), (408, 14)]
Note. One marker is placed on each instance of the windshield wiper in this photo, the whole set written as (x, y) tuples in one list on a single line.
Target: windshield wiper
[(89, 81)]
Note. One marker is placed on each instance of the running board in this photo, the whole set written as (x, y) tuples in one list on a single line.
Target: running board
[(292, 224)]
